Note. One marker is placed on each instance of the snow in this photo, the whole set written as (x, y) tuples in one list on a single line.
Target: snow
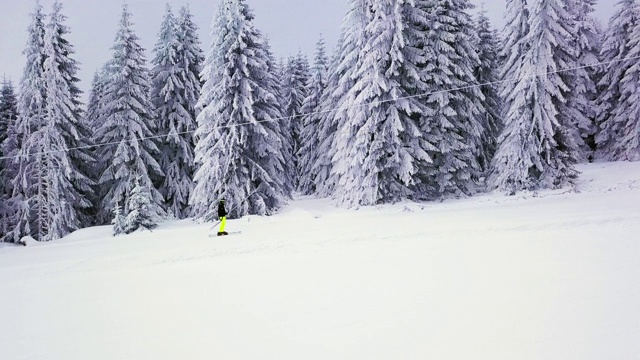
[(548, 275)]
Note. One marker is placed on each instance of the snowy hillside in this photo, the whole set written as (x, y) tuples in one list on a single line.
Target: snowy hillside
[(552, 275)]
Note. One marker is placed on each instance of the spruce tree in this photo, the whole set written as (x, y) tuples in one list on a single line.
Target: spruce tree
[(535, 150), (296, 81), (581, 80), (8, 111), (378, 145), (487, 75), (67, 187), (311, 118), (418, 86), (174, 92), (26, 200), (453, 120), (190, 59), (283, 125), (126, 134), (238, 149), (618, 117), (320, 163), (141, 212), (119, 221), (94, 116), (8, 150), (334, 104), (8, 119)]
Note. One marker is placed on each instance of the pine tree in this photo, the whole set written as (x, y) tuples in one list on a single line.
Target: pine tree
[(535, 150), (284, 92), (619, 116), (453, 120), (141, 212), (8, 118), (378, 145), (191, 57), (283, 125), (334, 105), (8, 150), (580, 109), (8, 111), (26, 199), (311, 118), (125, 135), (175, 89), (296, 81), (597, 73), (94, 119), (67, 186), (488, 76), (320, 162), (238, 149), (95, 116), (119, 221)]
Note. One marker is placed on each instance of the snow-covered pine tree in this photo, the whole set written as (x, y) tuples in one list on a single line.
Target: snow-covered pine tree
[(8, 150), (141, 212), (567, 56), (536, 150), (238, 148), (191, 56), (580, 109), (26, 199), (63, 133), (284, 79), (125, 136), (8, 118), (8, 113), (597, 73), (119, 221), (320, 164), (95, 116), (296, 81), (487, 74), (418, 86), (340, 81), (283, 126), (513, 45), (93, 113), (173, 92), (378, 149), (309, 140), (453, 122), (619, 116)]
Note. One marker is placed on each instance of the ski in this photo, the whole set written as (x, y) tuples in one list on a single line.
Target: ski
[(229, 233)]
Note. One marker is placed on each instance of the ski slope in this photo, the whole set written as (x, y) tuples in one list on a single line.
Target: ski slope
[(544, 276)]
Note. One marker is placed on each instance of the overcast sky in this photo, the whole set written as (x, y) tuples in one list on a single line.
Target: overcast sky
[(292, 26)]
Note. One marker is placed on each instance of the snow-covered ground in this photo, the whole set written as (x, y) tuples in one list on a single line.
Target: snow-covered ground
[(554, 275)]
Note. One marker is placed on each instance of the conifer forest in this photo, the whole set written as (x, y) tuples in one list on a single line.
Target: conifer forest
[(421, 100)]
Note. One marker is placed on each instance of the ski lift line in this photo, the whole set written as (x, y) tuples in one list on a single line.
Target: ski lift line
[(525, 77)]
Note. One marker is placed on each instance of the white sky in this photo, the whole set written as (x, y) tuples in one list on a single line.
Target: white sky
[(292, 26)]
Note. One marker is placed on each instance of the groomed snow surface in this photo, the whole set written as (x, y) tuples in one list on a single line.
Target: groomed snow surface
[(552, 275)]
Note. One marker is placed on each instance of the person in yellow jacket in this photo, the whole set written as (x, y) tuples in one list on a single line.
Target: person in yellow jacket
[(222, 215)]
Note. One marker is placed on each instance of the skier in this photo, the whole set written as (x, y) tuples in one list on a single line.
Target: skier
[(222, 214)]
